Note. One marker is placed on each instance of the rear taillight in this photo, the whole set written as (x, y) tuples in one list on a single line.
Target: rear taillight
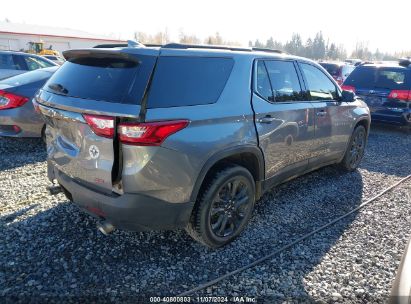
[(400, 94), (348, 88), (149, 133), (101, 125), (11, 101)]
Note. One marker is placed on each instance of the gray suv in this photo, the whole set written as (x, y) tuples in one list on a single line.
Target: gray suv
[(183, 136)]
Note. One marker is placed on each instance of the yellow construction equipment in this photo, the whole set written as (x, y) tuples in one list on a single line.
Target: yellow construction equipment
[(38, 48)]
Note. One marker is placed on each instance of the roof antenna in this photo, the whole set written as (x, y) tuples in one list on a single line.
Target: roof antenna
[(134, 44)]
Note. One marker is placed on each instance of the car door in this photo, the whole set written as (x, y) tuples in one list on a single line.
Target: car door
[(283, 117), (333, 118)]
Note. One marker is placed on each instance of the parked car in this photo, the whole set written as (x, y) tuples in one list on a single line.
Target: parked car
[(401, 289), (14, 63), (56, 59), (338, 70), (353, 61), (386, 88), (17, 115), (187, 143)]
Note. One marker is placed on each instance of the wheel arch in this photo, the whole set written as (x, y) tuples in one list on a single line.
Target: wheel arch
[(249, 157), (363, 121)]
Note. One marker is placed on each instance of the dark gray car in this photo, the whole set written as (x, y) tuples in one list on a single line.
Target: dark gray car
[(182, 136), (14, 63), (18, 117)]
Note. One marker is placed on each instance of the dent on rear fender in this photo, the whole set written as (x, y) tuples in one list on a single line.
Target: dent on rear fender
[(157, 172)]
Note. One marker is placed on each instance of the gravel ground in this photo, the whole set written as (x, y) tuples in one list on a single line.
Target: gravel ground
[(51, 251)]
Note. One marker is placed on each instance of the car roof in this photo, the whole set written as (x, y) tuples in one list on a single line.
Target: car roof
[(176, 49), (385, 65), (15, 52)]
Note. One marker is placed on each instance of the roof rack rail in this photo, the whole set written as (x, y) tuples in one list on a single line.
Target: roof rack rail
[(367, 62), (152, 45), (130, 43), (110, 45), (267, 50), (203, 46)]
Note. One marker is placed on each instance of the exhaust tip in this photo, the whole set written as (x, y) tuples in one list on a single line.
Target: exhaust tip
[(54, 189), (105, 227)]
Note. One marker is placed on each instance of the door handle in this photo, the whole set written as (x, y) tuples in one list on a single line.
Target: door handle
[(322, 113), (267, 119)]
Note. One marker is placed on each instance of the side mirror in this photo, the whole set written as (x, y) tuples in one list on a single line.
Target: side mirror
[(347, 96)]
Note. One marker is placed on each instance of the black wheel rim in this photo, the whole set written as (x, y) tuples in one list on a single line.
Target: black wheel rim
[(357, 149), (230, 207)]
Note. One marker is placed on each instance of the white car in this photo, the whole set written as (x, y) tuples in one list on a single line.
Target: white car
[(57, 59)]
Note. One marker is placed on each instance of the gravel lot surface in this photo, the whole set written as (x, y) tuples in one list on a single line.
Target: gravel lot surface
[(51, 251)]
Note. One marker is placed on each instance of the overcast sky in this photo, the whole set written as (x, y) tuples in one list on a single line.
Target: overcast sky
[(383, 24)]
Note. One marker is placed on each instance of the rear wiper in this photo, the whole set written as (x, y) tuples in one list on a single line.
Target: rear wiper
[(58, 88)]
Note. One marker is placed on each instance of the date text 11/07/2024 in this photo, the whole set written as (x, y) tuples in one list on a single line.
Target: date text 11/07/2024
[(199, 299)]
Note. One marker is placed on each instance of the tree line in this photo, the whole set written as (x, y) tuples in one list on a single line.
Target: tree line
[(316, 47)]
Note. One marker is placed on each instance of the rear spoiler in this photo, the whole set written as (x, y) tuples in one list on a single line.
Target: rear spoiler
[(98, 53)]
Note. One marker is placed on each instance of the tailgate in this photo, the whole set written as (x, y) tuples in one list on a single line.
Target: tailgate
[(82, 103), (76, 150), (375, 99)]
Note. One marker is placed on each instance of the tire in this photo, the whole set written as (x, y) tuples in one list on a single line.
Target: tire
[(355, 151), (216, 207)]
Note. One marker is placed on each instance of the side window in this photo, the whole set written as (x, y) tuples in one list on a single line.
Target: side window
[(284, 81), (6, 62), (34, 63), (319, 85), (19, 62), (263, 86), (186, 81)]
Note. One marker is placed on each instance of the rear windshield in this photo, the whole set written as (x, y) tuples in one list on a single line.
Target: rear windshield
[(378, 77), (106, 78), (29, 77), (185, 81), (332, 69)]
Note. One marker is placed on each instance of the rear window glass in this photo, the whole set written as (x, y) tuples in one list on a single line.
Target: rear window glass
[(29, 77), (103, 78), (378, 77), (332, 69), (185, 81)]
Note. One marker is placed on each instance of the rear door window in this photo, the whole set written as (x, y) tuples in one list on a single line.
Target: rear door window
[(372, 77), (186, 81), (319, 85), (6, 62), (263, 85), (106, 78), (284, 81)]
